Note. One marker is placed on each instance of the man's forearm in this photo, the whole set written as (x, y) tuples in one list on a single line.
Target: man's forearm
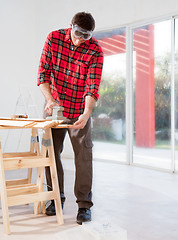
[(89, 105), (45, 89), (50, 102)]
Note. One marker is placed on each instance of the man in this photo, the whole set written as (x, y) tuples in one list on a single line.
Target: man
[(69, 75)]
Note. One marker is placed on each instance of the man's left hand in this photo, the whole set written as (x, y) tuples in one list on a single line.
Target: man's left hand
[(81, 122)]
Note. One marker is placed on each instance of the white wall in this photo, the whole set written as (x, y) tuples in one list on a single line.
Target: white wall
[(24, 25)]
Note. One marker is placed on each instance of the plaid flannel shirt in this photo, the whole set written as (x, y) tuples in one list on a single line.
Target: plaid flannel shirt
[(72, 72)]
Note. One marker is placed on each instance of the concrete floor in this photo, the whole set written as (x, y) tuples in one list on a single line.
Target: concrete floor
[(130, 203)]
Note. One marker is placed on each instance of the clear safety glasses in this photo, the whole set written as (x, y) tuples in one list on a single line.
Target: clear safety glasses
[(79, 32)]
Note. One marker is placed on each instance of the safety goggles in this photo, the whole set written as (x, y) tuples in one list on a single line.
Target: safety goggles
[(79, 32)]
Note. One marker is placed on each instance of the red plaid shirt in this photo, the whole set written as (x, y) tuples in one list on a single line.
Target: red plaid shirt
[(71, 72)]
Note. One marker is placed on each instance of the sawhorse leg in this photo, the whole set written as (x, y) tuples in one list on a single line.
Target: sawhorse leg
[(34, 148), (3, 194), (47, 146)]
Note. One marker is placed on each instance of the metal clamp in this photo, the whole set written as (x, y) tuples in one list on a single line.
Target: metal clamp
[(34, 139), (46, 142)]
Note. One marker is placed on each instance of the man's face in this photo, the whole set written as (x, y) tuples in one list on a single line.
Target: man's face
[(76, 41), (79, 35)]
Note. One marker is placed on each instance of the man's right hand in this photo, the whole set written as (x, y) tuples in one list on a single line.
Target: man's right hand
[(49, 105)]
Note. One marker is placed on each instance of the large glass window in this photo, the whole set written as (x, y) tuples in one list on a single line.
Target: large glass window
[(152, 95), (109, 114), (152, 85)]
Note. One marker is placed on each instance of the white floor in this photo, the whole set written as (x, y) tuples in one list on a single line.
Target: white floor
[(129, 203)]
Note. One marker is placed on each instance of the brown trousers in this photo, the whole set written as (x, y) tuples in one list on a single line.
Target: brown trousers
[(82, 147)]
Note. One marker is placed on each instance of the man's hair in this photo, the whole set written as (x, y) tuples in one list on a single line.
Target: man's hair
[(84, 20)]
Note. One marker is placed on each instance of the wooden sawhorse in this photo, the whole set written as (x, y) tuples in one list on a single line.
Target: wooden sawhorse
[(22, 191)]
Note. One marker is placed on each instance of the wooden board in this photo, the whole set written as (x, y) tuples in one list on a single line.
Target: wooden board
[(12, 123), (63, 126), (49, 124), (26, 119), (27, 123)]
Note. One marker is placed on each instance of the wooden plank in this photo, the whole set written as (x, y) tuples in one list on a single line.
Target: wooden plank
[(20, 163), (13, 123), (26, 119), (26, 123), (31, 198), (30, 125), (46, 125), (20, 185), (35, 126), (10, 127), (43, 209), (19, 154), (54, 178), (40, 176), (3, 193), (34, 147), (21, 190), (63, 126), (16, 182)]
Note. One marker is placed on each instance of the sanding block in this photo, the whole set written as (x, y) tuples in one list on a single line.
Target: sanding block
[(57, 113)]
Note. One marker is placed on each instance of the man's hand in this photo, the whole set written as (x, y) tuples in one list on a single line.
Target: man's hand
[(81, 122), (50, 104)]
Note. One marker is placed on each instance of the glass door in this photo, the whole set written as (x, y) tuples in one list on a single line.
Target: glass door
[(152, 95)]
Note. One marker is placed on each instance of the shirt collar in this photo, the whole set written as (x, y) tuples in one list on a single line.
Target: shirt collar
[(67, 35)]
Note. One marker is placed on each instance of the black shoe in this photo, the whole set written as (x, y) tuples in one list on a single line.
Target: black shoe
[(84, 215), (50, 210)]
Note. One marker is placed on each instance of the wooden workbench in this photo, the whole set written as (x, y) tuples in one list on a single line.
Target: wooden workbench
[(22, 191)]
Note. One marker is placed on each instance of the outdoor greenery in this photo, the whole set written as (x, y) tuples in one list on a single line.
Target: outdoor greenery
[(111, 104), (112, 97), (162, 94)]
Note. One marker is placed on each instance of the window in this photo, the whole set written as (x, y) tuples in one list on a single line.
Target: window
[(152, 95), (152, 91), (109, 114)]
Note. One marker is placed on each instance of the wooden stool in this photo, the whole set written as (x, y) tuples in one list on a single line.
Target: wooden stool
[(22, 191)]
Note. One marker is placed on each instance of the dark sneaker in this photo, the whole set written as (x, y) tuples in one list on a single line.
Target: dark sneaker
[(84, 215), (50, 210)]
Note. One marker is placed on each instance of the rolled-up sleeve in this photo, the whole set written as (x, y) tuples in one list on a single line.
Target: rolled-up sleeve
[(45, 67), (94, 75)]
